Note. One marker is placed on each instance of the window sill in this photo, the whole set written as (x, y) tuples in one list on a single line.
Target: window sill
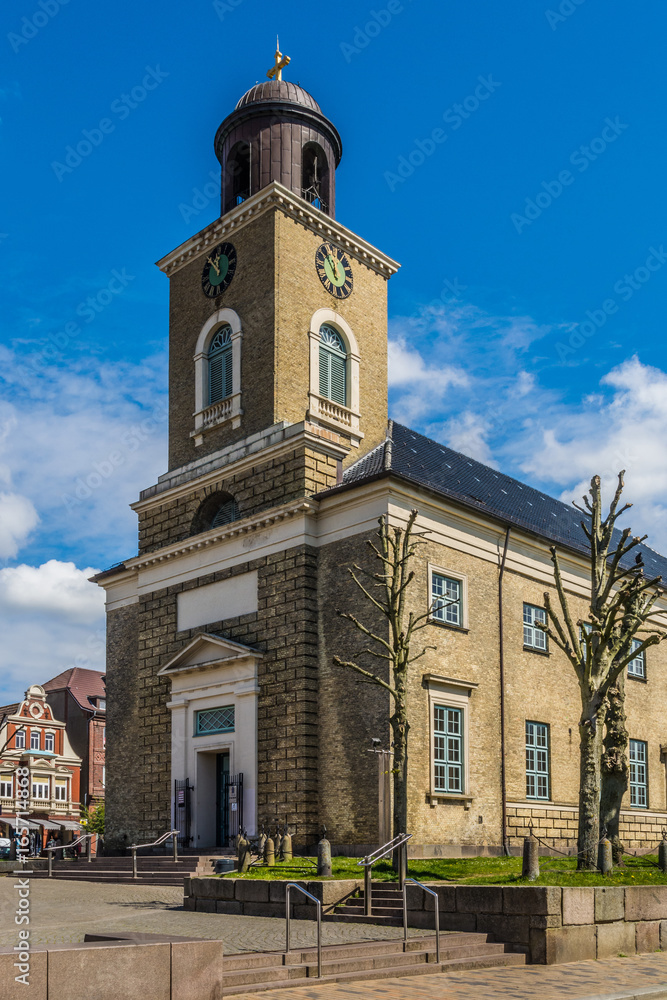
[(539, 652), (635, 677), (433, 798), (454, 628), (534, 800)]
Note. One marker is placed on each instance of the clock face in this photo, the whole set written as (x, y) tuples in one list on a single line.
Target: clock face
[(334, 270), (218, 270)]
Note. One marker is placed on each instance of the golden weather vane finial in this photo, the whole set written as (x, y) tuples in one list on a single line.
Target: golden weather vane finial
[(276, 71)]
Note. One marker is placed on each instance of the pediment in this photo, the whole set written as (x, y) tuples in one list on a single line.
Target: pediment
[(208, 650)]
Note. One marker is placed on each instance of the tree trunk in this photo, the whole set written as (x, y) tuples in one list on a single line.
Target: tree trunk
[(614, 777), (590, 748), (399, 725)]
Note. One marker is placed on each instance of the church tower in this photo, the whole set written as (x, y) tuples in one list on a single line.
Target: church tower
[(277, 382)]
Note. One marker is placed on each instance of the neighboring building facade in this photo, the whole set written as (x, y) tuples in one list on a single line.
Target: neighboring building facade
[(34, 738), (79, 698), (225, 707)]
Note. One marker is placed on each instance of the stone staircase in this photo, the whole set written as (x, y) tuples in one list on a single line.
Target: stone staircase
[(152, 869), (345, 963), (387, 907)]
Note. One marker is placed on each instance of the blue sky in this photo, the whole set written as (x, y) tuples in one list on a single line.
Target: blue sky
[(511, 157)]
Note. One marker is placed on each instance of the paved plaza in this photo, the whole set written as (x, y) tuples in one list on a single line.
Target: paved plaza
[(64, 911)]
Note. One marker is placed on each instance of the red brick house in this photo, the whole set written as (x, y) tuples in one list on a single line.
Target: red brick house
[(33, 738), (78, 697)]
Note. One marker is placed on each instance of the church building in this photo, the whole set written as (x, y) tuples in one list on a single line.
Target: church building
[(224, 706)]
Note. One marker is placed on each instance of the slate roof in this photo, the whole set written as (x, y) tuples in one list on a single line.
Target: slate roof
[(426, 463)]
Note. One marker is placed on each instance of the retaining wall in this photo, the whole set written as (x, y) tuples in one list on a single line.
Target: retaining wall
[(550, 925)]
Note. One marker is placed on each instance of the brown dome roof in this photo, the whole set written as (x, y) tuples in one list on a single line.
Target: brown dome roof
[(278, 90)]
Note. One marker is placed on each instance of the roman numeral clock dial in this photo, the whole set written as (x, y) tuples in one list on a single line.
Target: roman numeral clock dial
[(334, 270), (219, 270)]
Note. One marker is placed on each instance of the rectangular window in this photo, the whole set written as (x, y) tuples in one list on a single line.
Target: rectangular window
[(533, 637), (19, 739), (61, 792), (34, 739), (637, 667), (6, 787), (448, 749), (638, 774), (214, 720), (40, 790), (49, 742), (537, 760), (446, 599)]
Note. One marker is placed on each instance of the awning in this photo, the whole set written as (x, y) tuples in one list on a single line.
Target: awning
[(67, 824), (48, 825)]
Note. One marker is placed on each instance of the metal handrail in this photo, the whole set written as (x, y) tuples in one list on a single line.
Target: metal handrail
[(295, 885), (51, 850), (437, 914), (156, 843), (398, 841), (391, 845)]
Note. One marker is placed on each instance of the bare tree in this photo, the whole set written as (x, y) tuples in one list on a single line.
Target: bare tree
[(387, 592), (601, 646)]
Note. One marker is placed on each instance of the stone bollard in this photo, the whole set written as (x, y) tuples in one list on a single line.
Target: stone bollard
[(662, 854), (269, 853), (278, 844), (244, 854), (605, 859), (261, 843), (324, 855), (287, 845), (531, 858)]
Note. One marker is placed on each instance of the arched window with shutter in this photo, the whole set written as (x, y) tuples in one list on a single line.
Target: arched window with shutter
[(220, 365), (333, 365)]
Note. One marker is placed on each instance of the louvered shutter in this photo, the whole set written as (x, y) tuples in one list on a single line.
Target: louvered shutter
[(220, 374), (325, 382), (337, 387)]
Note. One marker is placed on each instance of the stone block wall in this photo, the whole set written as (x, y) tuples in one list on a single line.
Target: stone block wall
[(549, 924), (285, 629), (557, 826), (271, 482)]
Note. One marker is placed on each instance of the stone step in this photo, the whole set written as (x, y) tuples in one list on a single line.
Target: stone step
[(387, 972)]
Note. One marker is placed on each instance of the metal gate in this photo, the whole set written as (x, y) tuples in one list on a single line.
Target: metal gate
[(232, 808), (182, 811)]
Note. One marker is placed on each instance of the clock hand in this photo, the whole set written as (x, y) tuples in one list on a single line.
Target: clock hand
[(214, 263)]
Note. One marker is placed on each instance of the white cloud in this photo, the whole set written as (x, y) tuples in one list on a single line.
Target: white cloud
[(17, 519), (54, 588), (51, 619), (467, 434)]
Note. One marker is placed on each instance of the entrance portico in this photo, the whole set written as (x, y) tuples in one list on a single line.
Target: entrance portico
[(214, 691)]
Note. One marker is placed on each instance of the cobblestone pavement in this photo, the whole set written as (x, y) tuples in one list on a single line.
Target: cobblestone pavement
[(642, 977), (64, 911)]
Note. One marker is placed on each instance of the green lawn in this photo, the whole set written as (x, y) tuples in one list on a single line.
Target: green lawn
[(471, 871)]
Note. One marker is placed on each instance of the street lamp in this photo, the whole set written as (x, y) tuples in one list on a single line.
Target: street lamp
[(384, 790)]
